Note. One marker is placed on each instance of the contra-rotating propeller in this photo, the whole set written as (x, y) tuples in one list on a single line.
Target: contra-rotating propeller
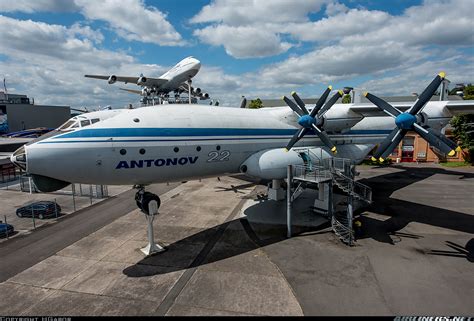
[(412, 120), (313, 120)]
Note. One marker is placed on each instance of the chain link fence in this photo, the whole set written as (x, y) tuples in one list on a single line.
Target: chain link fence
[(19, 205)]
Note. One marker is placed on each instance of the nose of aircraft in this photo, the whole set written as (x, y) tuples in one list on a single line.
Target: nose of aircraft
[(19, 158)]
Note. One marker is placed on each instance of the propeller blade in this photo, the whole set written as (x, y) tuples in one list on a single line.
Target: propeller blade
[(299, 102), (433, 140), (325, 139), (383, 105), (445, 139), (384, 145), (296, 137), (293, 106), (397, 138), (321, 101), (427, 94), (329, 104)]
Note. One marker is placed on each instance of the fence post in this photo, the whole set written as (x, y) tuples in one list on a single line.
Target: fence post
[(33, 216), (74, 196), (90, 193), (56, 208), (6, 225)]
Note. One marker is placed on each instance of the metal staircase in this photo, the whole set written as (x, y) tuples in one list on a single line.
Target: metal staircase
[(339, 172)]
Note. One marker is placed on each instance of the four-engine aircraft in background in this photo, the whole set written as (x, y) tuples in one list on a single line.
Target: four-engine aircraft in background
[(176, 80)]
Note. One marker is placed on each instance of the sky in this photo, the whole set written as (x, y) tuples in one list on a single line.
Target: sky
[(252, 48)]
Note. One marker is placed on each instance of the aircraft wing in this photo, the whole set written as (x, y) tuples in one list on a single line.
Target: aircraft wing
[(133, 80), (454, 106), (138, 92)]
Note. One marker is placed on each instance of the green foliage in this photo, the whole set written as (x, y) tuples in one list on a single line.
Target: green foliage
[(453, 164), (469, 92), (256, 103), (346, 99), (462, 132)]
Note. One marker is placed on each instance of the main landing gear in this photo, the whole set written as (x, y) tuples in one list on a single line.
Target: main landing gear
[(149, 203)]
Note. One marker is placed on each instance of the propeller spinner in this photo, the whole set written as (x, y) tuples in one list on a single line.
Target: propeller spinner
[(409, 121), (313, 120)]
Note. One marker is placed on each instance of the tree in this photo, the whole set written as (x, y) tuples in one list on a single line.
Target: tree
[(468, 92), (463, 128), (256, 103), (346, 99)]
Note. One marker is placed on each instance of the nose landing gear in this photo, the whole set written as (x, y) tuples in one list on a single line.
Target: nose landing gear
[(149, 203)]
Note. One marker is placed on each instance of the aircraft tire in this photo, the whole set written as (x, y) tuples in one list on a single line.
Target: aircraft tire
[(147, 198)]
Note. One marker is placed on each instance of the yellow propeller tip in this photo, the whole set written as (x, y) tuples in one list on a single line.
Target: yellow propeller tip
[(282, 97), (334, 150), (340, 92), (451, 153), (330, 87), (442, 74), (374, 159), (458, 149), (381, 159), (365, 94), (293, 93), (286, 150)]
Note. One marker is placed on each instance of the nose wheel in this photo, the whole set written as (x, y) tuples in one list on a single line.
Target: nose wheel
[(143, 200), (149, 203)]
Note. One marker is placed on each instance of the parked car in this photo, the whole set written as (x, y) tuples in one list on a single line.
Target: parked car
[(6, 229), (41, 210)]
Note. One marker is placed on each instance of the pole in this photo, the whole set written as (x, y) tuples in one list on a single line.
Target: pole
[(289, 178), (74, 196), (6, 225), (33, 216), (56, 208), (189, 90), (90, 193)]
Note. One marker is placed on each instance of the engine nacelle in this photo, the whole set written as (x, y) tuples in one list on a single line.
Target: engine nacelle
[(205, 96), (141, 81), (271, 164), (197, 91), (112, 79)]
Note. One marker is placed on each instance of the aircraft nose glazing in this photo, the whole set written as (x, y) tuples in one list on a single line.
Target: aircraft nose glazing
[(19, 158)]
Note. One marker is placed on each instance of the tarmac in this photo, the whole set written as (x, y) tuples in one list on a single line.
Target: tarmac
[(228, 254)]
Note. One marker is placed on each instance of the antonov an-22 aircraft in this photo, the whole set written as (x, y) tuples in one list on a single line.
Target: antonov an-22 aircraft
[(184, 142)]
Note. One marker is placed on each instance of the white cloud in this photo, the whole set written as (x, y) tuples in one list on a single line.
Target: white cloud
[(48, 62), (133, 20), (30, 6), (240, 42), (238, 13), (130, 19)]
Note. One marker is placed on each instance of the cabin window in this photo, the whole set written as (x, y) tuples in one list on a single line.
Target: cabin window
[(176, 149), (136, 120), (218, 147), (123, 151), (198, 148), (142, 151)]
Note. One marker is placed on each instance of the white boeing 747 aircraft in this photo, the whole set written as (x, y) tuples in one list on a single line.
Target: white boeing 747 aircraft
[(174, 143), (174, 79)]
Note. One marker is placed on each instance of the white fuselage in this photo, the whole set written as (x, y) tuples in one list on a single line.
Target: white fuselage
[(180, 73), (182, 142)]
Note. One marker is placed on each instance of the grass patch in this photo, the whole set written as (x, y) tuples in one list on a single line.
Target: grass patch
[(455, 164)]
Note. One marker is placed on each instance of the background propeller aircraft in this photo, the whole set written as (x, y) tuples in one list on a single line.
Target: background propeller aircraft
[(150, 145)]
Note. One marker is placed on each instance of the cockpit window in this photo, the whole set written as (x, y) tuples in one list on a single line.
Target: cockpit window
[(85, 123), (67, 124), (76, 125), (95, 120)]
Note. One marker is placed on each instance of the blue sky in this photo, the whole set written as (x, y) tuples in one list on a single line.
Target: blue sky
[(252, 48)]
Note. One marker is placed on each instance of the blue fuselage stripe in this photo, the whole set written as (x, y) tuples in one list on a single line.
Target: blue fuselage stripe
[(168, 134)]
